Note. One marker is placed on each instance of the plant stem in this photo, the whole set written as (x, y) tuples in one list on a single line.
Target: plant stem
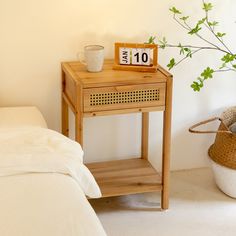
[(208, 26), (198, 50), (225, 70), (182, 25), (196, 47), (188, 28)]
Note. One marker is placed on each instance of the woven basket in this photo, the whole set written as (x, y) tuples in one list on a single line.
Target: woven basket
[(223, 150)]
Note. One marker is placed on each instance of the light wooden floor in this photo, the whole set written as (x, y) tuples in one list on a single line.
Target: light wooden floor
[(197, 207)]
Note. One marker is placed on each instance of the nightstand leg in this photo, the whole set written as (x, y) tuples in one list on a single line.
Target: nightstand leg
[(145, 129), (64, 118), (166, 147), (79, 128), (64, 108)]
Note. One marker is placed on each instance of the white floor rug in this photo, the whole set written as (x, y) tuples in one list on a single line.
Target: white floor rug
[(197, 208)]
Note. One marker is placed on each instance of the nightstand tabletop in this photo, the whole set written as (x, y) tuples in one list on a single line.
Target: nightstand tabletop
[(110, 77)]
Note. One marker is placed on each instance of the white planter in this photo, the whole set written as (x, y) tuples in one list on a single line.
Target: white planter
[(225, 178)]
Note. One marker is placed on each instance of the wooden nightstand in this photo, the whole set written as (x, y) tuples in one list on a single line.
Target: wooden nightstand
[(120, 92)]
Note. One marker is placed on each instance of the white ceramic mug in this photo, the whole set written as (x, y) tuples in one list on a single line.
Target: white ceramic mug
[(93, 57)]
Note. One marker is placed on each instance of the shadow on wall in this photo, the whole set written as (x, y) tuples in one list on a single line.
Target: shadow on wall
[(110, 137), (107, 40)]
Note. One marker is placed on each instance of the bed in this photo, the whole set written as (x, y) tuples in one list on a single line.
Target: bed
[(43, 182)]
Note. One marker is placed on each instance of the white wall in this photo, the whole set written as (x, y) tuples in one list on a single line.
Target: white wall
[(35, 36)]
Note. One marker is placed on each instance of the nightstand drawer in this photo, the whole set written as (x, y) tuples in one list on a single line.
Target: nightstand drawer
[(124, 97)]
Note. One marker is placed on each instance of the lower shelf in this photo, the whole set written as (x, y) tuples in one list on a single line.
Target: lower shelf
[(124, 177)]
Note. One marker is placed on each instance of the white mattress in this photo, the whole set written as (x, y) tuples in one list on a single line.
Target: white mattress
[(36, 204), (21, 116)]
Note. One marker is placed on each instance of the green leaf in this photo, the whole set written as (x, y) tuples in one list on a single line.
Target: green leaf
[(163, 43), (207, 6), (228, 58), (184, 18), (200, 22), (195, 86), (234, 66), (151, 40), (220, 35), (207, 73), (214, 23), (188, 52), (171, 64), (175, 10), (195, 30), (185, 50), (181, 51)]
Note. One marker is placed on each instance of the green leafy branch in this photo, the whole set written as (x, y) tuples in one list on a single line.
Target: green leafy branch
[(227, 61)]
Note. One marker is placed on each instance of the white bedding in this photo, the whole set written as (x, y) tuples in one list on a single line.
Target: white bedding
[(45, 205), (42, 185)]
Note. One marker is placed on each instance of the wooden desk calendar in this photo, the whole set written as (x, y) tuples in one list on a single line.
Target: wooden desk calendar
[(113, 92), (135, 57)]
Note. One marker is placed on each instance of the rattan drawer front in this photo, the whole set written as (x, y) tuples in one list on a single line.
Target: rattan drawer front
[(124, 97)]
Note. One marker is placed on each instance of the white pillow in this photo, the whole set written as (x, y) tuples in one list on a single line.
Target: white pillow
[(21, 116)]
